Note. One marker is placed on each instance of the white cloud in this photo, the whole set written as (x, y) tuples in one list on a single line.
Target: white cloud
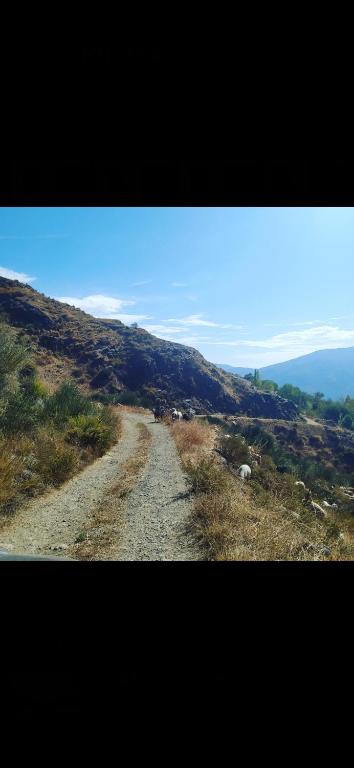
[(177, 335), (321, 337), (12, 275), (179, 285), (286, 346), (192, 296), (141, 282), (162, 329), (127, 319), (193, 320), (190, 341), (306, 322), (98, 305)]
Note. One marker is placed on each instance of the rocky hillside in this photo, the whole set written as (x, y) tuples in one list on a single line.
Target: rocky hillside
[(330, 447), (107, 356)]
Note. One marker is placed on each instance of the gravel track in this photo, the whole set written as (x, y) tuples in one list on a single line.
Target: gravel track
[(154, 519), (158, 509)]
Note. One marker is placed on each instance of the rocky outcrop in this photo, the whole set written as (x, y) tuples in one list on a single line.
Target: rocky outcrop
[(270, 406), (112, 357)]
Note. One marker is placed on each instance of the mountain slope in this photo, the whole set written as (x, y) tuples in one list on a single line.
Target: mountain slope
[(232, 369), (107, 356), (330, 371)]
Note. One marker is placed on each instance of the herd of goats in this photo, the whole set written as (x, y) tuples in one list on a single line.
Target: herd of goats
[(162, 412), (245, 471)]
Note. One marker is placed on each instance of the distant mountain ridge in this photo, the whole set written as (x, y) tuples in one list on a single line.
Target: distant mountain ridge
[(330, 371), (110, 357)]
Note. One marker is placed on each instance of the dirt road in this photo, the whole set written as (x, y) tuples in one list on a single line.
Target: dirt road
[(153, 523)]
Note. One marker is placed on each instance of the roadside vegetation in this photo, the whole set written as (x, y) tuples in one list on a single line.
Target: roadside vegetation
[(45, 437), (128, 398), (263, 519)]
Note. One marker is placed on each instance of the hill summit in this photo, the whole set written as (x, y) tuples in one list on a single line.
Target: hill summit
[(109, 357)]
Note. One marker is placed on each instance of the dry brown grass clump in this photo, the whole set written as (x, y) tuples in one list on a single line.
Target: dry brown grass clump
[(133, 409), (56, 460), (10, 468), (236, 525), (193, 438)]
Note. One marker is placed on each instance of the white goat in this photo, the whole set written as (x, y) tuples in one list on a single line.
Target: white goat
[(301, 483), (244, 471), (317, 509), (176, 415)]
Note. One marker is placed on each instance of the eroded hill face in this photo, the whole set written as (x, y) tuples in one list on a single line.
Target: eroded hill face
[(107, 356)]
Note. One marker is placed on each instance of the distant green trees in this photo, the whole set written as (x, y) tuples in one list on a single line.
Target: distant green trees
[(341, 412), (255, 378)]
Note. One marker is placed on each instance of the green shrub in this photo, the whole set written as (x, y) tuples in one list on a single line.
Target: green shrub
[(128, 398), (21, 414), (56, 460), (82, 536), (234, 449), (268, 463), (13, 354), (105, 399), (67, 402), (347, 422), (96, 432), (34, 388)]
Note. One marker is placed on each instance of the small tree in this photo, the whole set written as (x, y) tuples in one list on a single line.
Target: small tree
[(13, 355), (254, 378), (318, 396), (257, 378), (346, 421)]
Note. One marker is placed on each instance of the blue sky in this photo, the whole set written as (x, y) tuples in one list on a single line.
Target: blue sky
[(245, 286)]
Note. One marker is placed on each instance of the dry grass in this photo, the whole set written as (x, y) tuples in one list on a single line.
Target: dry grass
[(103, 530), (194, 440), (30, 464), (235, 527), (264, 519), (10, 467), (133, 409)]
